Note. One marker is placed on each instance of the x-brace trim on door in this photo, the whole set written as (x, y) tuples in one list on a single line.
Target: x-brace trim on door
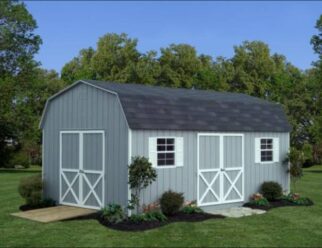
[(92, 189), (69, 186), (233, 185), (222, 172), (81, 174), (209, 186)]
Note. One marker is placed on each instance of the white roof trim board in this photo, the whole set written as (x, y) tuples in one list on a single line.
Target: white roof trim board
[(160, 108)]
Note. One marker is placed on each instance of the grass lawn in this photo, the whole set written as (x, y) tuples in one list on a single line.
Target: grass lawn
[(288, 226)]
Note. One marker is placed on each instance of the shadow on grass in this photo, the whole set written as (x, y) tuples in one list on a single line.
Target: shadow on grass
[(314, 171), (19, 171)]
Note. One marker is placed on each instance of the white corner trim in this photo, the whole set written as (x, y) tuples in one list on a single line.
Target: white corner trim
[(129, 162)]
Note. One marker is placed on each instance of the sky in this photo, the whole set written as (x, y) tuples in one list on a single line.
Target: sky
[(213, 28)]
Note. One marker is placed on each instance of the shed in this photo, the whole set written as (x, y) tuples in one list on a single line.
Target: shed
[(214, 147)]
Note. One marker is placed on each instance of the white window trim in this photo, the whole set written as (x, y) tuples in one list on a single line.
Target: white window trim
[(156, 166), (273, 150), (174, 151), (264, 150)]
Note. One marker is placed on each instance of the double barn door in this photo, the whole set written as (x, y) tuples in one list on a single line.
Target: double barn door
[(220, 169), (82, 168)]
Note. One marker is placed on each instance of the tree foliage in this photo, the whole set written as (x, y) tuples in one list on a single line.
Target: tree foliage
[(141, 175), (252, 70)]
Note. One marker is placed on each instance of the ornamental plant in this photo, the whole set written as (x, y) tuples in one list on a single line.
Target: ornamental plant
[(271, 190), (296, 159), (141, 175)]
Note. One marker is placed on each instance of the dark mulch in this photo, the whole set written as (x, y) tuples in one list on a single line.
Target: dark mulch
[(146, 225), (276, 204), (28, 207)]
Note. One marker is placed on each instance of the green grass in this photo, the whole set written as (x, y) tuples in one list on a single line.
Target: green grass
[(289, 226)]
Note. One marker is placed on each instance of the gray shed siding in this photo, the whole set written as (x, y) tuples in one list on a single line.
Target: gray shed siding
[(84, 107), (184, 179)]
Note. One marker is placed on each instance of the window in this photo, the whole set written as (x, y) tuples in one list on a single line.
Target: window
[(165, 152), (266, 150)]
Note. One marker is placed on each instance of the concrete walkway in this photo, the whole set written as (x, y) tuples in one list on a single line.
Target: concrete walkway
[(237, 212), (46, 215)]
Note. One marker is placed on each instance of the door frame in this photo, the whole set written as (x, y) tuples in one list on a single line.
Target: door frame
[(80, 158), (221, 164)]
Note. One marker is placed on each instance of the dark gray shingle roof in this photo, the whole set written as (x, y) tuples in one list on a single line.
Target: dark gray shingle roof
[(161, 108)]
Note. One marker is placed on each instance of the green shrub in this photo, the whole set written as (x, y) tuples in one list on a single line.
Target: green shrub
[(147, 217), (171, 202), (259, 202), (191, 209), (271, 190), (113, 213), (258, 199), (30, 188), (298, 200), (137, 218), (155, 216), (20, 158)]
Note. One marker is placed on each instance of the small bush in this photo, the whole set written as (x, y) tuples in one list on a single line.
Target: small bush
[(298, 200), (171, 202), (152, 207), (113, 213), (155, 216), (191, 208), (30, 188), (258, 200), (137, 218), (271, 190), (22, 159), (147, 217)]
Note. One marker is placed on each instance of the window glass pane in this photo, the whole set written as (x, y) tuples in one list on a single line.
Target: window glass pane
[(161, 155), (170, 162), (161, 162), (266, 156), (170, 155), (269, 141), (170, 141), (170, 148), (161, 141), (161, 148)]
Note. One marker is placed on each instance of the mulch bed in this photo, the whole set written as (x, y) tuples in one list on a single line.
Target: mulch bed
[(28, 207), (275, 204), (146, 225)]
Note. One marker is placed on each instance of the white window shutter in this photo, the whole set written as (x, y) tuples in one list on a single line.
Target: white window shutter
[(179, 151), (276, 148), (153, 151), (257, 150)]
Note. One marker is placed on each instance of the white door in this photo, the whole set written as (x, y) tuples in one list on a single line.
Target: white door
[(220, 169), (82, 168)]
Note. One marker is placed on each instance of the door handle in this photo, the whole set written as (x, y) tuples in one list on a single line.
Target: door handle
[(222, 169)]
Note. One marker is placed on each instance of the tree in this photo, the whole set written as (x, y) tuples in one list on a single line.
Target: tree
[(79, 67), (141, 175), (18, 41), (17, 47), (179, 66), (114, 57)]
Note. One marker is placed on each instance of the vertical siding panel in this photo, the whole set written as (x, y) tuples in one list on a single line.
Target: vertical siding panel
[(85, 107)]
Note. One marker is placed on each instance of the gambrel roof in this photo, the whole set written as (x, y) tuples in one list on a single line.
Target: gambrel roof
[(161, 108)]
